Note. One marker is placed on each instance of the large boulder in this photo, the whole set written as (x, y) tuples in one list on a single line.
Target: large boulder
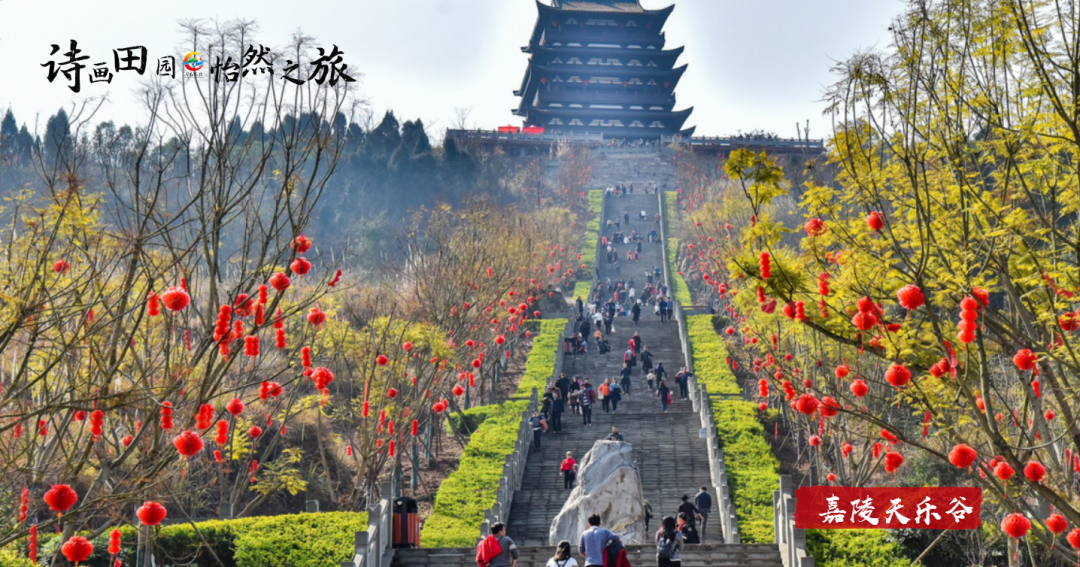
[(609, 484)]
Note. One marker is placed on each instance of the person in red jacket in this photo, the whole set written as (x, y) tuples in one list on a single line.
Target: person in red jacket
[(568, 470)]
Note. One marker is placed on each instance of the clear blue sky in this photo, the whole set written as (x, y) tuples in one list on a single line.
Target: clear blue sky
[(753, 64)]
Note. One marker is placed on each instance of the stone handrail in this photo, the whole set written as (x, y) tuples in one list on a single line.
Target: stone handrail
[(792, 540), (513, 471), (373, 547), (717, 464), (699, 396)]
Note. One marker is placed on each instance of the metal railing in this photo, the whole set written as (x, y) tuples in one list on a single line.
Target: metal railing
[(792, 540), (495, 135), (513, 471), (373, 547), (699, 396), (737, 141)]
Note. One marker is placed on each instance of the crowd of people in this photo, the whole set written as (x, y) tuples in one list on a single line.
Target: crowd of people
[(599, 546), (610, 306)]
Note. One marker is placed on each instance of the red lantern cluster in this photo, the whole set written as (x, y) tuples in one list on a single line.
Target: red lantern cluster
[(766, 266), (867, 317), (968, 315)]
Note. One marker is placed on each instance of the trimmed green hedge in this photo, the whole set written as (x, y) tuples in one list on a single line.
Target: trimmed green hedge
[(854, 548), (679, 289), (753, 471), (582, 290), (291, 540), (710, 356), (541, 362), (472, 488), (591, 239)]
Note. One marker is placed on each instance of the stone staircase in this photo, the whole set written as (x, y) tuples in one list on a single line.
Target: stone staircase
[(637, 169), (672, 459), (706, 555)]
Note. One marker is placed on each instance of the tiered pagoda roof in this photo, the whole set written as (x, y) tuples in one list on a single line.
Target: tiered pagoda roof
[(600, 66)]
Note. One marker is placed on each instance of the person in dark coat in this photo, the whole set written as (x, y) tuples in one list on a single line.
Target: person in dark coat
[(636, 312)]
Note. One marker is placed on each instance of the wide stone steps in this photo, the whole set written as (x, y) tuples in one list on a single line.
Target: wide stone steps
[(705, 555), (672, 459)]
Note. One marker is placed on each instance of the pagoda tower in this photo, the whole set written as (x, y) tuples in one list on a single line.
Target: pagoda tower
[(599, 66)]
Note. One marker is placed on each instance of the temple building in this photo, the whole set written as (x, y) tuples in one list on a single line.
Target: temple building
[(599, 66)]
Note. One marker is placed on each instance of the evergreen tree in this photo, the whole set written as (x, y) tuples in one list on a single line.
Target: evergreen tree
[(414, 139), (58, 143), (383, 140), (9, 130), (24, 144)]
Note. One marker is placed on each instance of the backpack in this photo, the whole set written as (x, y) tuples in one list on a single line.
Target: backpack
[(487, 550), (665, 547)]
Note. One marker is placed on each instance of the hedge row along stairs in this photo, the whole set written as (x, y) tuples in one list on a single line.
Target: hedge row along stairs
[(672, 458)]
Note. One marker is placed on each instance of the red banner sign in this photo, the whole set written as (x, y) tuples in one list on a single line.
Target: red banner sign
[(928, 508)]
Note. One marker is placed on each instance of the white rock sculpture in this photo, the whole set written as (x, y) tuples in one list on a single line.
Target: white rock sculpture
[(609, 484)]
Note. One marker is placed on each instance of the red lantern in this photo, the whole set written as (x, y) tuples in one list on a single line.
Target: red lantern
[(829, 407), (1074, 539), (188, 443), (1057, 523), (255, 431), (279, 281), (151, 513), (910, 297), (302, 244), (1015, 525), (893, 460), (300, 266), (898, 375), (875, 221), (316, 316), (382, 360), (1035, 471), (806, 404), (175, 299), (962, 456), (235, 406), (1025, 359), (814, 227), (60, 498), (77, 549)]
